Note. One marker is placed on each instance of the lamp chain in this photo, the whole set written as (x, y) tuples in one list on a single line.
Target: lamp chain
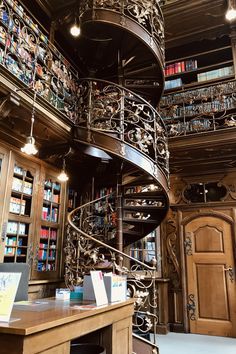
[(33, 114)]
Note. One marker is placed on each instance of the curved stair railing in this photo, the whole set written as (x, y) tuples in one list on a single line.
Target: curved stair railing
[(116, 113), (87, 248), (132, 122)]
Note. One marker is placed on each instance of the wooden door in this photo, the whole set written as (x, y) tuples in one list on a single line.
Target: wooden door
[(210, 276)]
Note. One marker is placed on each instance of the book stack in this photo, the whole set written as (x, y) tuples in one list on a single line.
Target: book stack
[(17, 206), (215, 74), (180, 67), (18, 170), (22, 229), (170, 84), (44, 232), (55, 198), (12, 227), (54, 214), (46, 213), (53, 234), (42, 254), (17, 184), (9, 251), (11, 241), (47, 194), (27, 189)]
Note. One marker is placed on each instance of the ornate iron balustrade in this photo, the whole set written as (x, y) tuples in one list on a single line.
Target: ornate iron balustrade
[(146, 13), (26, 52), (88, 247), (115, 110), (203, 109)]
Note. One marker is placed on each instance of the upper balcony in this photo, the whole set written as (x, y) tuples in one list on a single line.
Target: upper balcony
[(30, 63)]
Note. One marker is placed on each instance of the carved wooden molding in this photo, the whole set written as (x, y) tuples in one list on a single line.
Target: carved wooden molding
[(199, 213), (172, 246)]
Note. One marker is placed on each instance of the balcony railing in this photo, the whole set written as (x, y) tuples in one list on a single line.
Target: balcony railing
[(26, 52), (208, 108)]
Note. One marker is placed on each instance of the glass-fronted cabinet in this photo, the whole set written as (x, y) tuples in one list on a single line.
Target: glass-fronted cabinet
[(32, 214), (21, 215), (50, 228)]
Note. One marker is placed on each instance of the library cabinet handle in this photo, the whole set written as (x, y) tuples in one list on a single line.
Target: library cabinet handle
[(230, 272)]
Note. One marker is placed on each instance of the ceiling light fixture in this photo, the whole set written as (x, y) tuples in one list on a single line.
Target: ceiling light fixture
[(63, 177), (231, 11), (29, 148)]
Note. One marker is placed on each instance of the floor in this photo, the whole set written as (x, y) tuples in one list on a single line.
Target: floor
[(181, 343)]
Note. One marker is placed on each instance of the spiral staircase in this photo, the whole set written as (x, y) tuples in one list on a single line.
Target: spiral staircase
[(122, 49)]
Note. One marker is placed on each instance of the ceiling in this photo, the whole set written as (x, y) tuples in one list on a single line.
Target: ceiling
[(185, 20)]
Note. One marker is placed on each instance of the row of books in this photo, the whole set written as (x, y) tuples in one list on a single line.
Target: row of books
[(44, 254), (17, 206), (215, 74), (50, 196), (20, 11), (14, 227), (11, 241), (52, 185), (19, 170), (11, 251), (199, 108), (170, 84), (43, 267), (46, 233), (205, 76), (50, 216), (180, 67), (199, 94), (22, 186)]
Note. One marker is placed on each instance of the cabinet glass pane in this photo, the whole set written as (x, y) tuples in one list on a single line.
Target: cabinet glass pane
[(22, 190), (47, 252), (49, 231), (16, 243), (51, 201), (18, 229)]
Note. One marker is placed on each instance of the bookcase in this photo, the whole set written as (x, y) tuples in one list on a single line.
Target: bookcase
[(33, 209), (200, 86), (20, 206), (208, 60)]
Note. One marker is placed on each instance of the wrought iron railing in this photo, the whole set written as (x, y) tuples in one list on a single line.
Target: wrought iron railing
[(202, 109), (146, 13), (88, 247), (112, 109)]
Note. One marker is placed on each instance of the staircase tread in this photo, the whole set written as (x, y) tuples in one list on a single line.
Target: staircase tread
[(140, 221), (144, 194), (143, 207)]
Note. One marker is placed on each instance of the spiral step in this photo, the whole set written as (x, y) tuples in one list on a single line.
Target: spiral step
[(125, 49)]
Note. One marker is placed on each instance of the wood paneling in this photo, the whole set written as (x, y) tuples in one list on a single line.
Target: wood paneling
[(208, 240)]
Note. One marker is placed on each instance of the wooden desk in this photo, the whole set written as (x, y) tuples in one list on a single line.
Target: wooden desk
[(50, 330)]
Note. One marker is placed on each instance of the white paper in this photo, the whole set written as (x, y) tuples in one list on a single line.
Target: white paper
[(99, 288), (8, 287)]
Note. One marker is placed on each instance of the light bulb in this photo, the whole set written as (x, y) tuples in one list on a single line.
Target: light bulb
[(29, 148), (231, 12), (63, 176), (75, 30)]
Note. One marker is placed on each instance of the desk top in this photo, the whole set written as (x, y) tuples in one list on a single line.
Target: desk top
[(43, 314)]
